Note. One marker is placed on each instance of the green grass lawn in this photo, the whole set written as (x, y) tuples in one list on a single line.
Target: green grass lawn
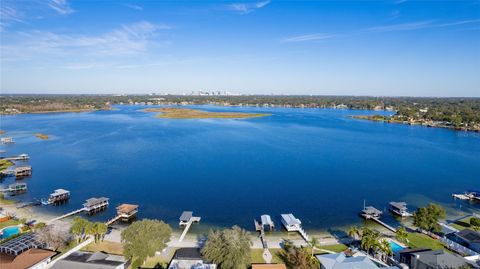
[(335, 248), (256, 255), (462, 224), (151, 262), (105, 246), (418, 240)]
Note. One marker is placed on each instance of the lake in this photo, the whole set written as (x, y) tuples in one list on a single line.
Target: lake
[(318, 164)]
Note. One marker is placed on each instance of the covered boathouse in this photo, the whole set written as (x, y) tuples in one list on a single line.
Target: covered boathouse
[(94, 205), (23, 171), (59, 196), (127, 212)]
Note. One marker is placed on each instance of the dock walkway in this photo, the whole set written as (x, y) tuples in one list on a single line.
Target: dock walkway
[(68, 214), (113, 220), (380, 222), (187, 227)]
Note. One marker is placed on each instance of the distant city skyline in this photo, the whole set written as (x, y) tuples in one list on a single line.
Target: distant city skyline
[(376, 48)]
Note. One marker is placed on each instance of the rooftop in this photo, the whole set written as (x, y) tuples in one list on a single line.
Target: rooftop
[(27, 259), (290, 219), (440, 259), (469, 235), (97, 260), (266, 220), (186, 216), (126, 208), (399, 205), (341, 261), (60, 192), (371, 210), (94, 201)]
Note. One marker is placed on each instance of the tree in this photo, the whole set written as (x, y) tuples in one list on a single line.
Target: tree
[(354, 232), (100, 229), (228, 248), (78, 228), (370, 240), (427, 218), (385, 248), (314, 243), (143, 238), (297, 258), (475, 222), (401, 235), (54, 236)]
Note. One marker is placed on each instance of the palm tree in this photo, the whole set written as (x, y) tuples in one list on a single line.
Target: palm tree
[(401, 235), (100, 230), (354, 232), (314, 243), (385, 248)]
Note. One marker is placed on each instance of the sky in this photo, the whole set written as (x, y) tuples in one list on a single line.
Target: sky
[(380, 48)]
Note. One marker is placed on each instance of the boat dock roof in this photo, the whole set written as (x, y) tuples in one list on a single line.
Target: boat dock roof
[(94, 201), (266, 220), (370, 210), (58, 192), (186, 216), (399, 205), (126, 208), (17, 184), (289, 219)]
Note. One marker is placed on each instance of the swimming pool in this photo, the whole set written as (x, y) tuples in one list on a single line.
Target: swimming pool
[(9, 231), (395, 247)]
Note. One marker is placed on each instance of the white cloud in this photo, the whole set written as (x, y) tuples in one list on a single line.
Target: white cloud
[(60, 6), (245, 8), (9, 15), (126, 40), (307, 37), (416, 26), (136, 7)]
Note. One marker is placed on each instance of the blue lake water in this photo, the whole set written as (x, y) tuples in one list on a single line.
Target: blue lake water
[(318, 164)]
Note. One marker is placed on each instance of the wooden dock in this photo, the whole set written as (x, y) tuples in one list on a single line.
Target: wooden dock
[(68, 214), (113, 220), (259, 228), (187, 227), (367, 217)]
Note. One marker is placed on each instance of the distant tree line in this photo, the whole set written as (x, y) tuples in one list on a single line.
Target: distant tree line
[(458, 112)]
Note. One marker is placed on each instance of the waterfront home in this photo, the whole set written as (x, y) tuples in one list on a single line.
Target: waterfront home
[(59, 196), (268, 266), (89, 260), (291, 223), (400, 208), (469, 238), (435, 259), (342, 261), (22, 171), (29, 259), (189, 258), (94, 205)]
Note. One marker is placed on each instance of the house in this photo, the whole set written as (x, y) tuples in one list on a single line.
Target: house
[(269, 266), (189, 258), (342, 261), (30, 259), (87, 260), (431, 259), (469, 238)]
